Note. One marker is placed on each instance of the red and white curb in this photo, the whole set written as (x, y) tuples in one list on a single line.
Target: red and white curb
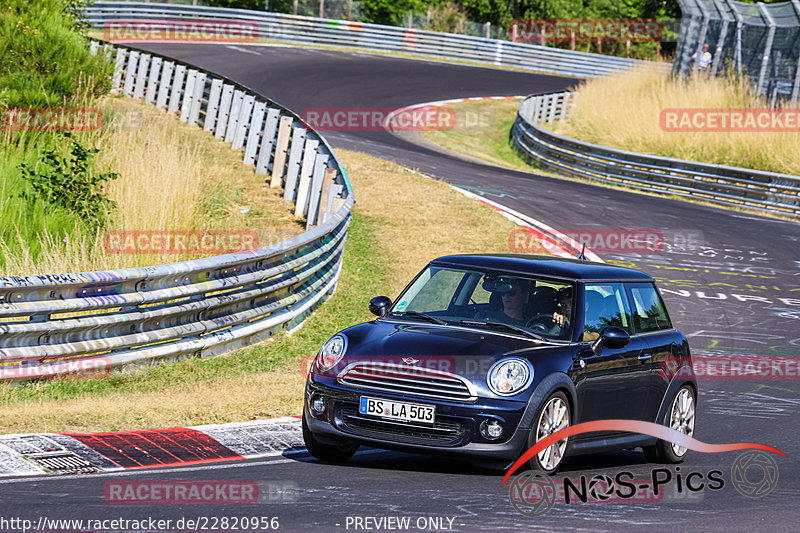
[(76, 453)]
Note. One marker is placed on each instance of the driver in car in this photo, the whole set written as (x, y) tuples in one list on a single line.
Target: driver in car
[(513, 302)]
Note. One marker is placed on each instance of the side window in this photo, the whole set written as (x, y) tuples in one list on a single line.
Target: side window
[(605, 304), (649, 313)]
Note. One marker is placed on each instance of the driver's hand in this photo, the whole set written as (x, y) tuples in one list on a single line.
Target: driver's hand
[(559, 319)]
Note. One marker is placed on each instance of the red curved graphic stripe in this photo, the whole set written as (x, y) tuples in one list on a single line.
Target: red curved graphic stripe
[(635, 426)]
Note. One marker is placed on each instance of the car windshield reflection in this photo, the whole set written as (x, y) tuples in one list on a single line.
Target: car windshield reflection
[(526, 305)]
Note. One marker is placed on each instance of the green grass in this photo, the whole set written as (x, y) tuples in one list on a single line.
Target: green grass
[(44, 63), (491, 142), (21, 221)]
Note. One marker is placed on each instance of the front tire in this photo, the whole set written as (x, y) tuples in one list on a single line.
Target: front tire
[(681, 417), (553, 416), (327, 452)]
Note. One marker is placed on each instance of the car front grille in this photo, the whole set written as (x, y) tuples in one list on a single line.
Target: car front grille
[(442, 433), (408, 380)]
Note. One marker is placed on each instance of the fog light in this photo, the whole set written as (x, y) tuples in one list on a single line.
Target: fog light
[(491, 429), (317, 405)]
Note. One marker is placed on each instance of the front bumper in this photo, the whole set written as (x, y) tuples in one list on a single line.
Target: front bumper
[(456, 431)]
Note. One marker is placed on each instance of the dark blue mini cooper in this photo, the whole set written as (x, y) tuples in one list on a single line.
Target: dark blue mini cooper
[(483, 355)]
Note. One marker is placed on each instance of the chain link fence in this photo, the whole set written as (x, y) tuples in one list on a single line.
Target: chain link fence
[(760, 41)]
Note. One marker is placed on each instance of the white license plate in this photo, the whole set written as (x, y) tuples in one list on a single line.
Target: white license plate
[(410, 412)]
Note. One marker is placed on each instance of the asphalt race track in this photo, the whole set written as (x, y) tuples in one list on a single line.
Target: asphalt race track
[(733, 290)]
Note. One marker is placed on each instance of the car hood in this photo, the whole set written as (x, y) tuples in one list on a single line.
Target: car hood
[(389, 337)]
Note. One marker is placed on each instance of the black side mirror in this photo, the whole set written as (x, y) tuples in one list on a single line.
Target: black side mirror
[(379, 305), (613, 337)]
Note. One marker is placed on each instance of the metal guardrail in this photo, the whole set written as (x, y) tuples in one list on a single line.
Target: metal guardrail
[(720, 184), (63, 323), (374, 37)]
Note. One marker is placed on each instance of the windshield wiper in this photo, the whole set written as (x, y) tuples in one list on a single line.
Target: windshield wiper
[(507, 327), (414, 314)]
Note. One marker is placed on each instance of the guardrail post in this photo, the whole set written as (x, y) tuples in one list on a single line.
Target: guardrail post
[(233, 117), (164, 84), (306, 171), (267, 141), (141, 76), (133, 61), (551, 112), (293, 167), (197, 98), (224, 111), (213, 105), (177, 87), (325, 195), (333, 200), (119, 67), (254, 132), (315, 193), (564, 106), (188, 94), (278, 167), (243, 121), (152, 82), (536, 116)]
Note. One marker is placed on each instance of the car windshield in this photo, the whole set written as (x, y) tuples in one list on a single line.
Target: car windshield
[(495, 300)]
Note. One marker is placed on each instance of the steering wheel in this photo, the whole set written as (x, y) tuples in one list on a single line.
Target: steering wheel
[(541, 322)]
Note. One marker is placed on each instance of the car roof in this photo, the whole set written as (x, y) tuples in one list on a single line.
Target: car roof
[(553, 267)]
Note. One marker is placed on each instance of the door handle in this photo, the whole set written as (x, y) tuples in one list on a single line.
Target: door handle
[(645, 357)]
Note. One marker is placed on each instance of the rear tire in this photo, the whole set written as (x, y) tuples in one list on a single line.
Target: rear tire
[(679, 416), (328, 452)]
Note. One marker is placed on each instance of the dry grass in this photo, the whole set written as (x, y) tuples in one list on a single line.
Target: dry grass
[(419, 218), (401, 221), (173, 177), (622, 111), (194, 403)]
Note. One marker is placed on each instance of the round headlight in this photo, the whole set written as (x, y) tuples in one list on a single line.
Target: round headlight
[(510, 376), (332, 352)]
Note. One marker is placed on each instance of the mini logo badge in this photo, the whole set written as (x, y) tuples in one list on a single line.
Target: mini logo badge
[(410, 360)]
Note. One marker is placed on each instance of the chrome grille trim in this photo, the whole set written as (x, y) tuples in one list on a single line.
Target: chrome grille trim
[(408, 379), (443, 432)]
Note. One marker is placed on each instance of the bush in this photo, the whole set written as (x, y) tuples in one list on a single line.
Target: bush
[(68, 182), (44, 59)]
